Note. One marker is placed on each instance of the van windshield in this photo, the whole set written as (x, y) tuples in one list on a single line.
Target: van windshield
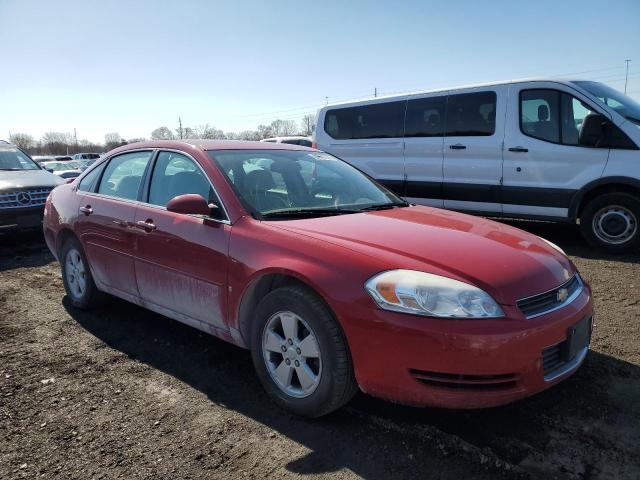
[(286, 184), (14, 159), (625, 106)]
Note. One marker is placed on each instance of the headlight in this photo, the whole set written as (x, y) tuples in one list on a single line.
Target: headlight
[(431, 295)]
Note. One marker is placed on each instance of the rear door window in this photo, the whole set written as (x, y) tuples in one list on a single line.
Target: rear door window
[(123, 175), (379, 120), (425, 117), (471, 114)]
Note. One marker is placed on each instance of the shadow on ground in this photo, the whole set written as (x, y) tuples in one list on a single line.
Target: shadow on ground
[(412, 437)]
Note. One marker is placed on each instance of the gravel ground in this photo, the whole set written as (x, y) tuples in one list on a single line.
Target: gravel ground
[(124, 393)]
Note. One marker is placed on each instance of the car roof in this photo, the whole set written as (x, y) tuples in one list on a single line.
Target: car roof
[(206, 145)]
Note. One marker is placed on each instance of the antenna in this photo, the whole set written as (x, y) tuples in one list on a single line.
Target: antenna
[(626, 76)]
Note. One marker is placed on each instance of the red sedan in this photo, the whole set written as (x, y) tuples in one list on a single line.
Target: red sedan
[(333, 282)]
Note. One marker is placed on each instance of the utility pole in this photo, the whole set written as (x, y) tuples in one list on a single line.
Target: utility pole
[(75, 139), (626, 76), (326, 100), (375, 92), (180, 123)]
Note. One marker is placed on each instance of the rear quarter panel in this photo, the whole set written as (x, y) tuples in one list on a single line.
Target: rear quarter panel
[(61, 210)]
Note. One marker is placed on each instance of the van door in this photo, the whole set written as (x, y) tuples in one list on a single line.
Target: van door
[(370, 138), (474, 130), (549, 154), (424, 148)]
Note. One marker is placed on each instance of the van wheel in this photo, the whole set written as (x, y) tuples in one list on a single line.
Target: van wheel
[(300, 353), (611, 222), (76, 276)]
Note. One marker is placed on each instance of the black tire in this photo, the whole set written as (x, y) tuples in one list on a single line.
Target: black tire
[(90, 297), (596, 233), (336, 385)]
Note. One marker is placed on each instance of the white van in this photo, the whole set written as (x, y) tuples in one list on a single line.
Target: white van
[(542, 149)]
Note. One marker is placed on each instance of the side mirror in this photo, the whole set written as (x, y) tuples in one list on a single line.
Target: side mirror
[(192, 204)]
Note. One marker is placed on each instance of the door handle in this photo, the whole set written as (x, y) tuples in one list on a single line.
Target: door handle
[(87, 210), (519, 149), (457, 146), (147, 225)]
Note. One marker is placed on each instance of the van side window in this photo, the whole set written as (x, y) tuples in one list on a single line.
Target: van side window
[(471, 114), (425, 117), (540, 113), (378, 120), (558, 117)]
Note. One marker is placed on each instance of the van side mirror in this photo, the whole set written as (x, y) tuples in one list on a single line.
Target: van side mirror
[(192, 204)]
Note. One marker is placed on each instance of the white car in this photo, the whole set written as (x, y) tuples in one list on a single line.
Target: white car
[(543, 149), (293, 140), (66, 169)]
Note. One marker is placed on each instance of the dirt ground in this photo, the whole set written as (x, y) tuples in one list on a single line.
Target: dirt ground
[(124, 393)]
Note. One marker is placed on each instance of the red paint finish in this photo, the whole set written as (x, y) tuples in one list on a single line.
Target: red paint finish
[(199, 272)]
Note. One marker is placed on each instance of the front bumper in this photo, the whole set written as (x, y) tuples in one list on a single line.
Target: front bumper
[(21, 218), (462, 363)]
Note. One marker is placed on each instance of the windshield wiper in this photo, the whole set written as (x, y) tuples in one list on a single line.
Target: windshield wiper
[(11, 169), (384, 206), (633, 119), (305, 212)]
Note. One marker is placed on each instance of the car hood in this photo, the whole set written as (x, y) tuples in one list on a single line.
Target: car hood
[(11, 180), (506, 262)]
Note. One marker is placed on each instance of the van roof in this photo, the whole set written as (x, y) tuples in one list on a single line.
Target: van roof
[(445, 89)]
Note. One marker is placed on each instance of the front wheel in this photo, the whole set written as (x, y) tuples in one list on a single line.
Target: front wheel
[(76, 276), (300, 353), (611, 222)]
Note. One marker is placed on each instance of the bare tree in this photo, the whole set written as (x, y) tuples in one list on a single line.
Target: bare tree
[(205, 131), (264, 131), (283, 127), (162, 133), (23, 140), (307, 124), (57, 143), (113, 140)]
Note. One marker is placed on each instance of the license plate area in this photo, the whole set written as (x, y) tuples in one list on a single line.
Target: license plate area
[(578, 337)]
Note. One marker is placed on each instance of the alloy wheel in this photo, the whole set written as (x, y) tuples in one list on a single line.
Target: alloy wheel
[(292, 355)]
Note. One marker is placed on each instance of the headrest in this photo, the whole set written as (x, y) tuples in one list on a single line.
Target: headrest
[(543, 113), (259, 180)]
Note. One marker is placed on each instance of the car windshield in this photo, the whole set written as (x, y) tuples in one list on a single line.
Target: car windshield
[(625, 106), (282, 184), (14, 159)]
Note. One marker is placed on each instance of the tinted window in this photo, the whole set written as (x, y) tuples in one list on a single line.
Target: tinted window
[(471, 114), (123, 174), (540, 114), (425, 117), (380, 120), (304, 143), (88, 181), (175, 174)]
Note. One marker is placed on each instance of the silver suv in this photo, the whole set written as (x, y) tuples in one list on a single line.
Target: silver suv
[(24, 188)]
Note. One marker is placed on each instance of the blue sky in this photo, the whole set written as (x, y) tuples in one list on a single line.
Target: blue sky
[(130, 66)]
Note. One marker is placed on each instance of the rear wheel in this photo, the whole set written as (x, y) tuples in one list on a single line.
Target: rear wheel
[(300, 353), (611, 222), (76, 276)]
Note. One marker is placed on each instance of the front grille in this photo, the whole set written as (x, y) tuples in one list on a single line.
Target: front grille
[(24, 198), (551, 300), (463, 381)]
